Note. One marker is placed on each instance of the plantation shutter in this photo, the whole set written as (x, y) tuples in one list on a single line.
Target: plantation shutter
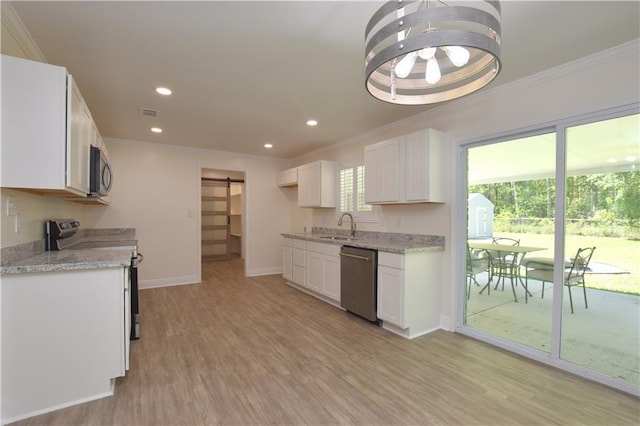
[(346, 190), (361, 206)]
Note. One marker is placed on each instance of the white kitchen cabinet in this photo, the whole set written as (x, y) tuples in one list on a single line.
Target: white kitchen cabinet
[(409, 292), (382, 169), (323, 269), (317, 184), (407, 169), (64, 338), (287, 259), (44, 149), (299, 261), (391, 295), (288, 177)]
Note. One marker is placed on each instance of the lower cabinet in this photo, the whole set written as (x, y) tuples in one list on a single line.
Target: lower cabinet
[(409, 292), (323, 269), (64, 338), (299, 268), (287, 259), (314, 266)]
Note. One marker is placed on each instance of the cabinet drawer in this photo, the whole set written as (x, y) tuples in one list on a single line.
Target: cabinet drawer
[(287, 242), (391, 260), (324, 248), (300, 244)]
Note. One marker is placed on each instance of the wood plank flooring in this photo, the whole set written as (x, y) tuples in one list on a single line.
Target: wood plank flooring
[(253, 351)]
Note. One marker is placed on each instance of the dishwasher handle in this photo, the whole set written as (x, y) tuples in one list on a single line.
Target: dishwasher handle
[(355, 256)]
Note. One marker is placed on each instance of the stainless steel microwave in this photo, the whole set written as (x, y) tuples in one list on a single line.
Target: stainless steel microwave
[(100, 173)]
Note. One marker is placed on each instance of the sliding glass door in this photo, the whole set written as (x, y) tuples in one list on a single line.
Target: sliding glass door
[(552, 246), (601, 295), (510, 215)]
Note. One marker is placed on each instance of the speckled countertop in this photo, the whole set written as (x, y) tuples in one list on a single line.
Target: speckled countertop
[(81, 254), (381, 241)]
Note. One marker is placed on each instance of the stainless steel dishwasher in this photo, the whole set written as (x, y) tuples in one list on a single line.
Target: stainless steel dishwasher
[(358, 281)]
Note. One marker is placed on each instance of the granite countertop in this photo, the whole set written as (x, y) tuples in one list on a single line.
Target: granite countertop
[(69, 260), (381, 241), (81, 253)]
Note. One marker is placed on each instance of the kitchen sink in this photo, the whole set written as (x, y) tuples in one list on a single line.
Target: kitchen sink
[(337, 238)]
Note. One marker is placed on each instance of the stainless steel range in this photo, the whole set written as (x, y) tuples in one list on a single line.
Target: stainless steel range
[(61, 234)]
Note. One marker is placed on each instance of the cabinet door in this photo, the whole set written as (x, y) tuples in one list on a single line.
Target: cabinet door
[(80, 137), (288, 177), (331, 284), (391, 295), (287, 263), (34, 124), (424, 171), (381, 165), (309, 185), (299, 266), (315, 271), (416, 151)]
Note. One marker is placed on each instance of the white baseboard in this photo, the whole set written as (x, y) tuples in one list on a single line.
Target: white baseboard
[(168, 282), (56, 407), (406, 332), (264, 271)]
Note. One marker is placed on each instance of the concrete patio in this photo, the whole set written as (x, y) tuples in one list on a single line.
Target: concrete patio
[(605, 337)]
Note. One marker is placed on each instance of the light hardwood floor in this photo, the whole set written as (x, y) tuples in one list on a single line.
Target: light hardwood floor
[(253, 351)]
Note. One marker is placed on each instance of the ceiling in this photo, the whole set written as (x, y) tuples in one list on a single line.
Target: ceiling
[(248, 73), (604, 146)]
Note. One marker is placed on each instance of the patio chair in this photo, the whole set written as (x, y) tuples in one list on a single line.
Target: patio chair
[(541, 269), (504, 265), (477, 262)]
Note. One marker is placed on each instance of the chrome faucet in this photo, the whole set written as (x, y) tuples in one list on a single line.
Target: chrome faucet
[(353, 224)]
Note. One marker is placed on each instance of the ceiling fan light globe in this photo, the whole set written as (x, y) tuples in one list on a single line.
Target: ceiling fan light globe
[(458, 55), (433, 74), (404, 66), (426, 53)]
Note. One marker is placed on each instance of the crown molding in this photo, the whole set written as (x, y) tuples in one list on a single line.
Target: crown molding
[(13, 23)]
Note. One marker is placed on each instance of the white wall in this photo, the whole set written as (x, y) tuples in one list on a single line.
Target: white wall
[(156, 191)]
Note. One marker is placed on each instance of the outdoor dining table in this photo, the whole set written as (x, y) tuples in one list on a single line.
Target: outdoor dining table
[(505, 250)]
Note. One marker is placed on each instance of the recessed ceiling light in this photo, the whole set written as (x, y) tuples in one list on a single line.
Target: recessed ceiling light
[(312, 122), (163, 91), (268, 145), (630, 158), (611, 160), (156, 130)]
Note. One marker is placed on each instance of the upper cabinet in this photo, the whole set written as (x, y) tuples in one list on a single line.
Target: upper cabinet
[(288, 177), (47, 129), (408, 169), (317, 184)]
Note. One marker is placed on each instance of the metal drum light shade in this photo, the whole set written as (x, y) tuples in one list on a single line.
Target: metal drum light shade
[(424, 52)]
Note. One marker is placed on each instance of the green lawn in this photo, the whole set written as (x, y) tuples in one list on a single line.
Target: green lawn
[(619, 252)]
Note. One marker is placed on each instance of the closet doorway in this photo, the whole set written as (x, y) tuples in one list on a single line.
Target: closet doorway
[(221, 195)]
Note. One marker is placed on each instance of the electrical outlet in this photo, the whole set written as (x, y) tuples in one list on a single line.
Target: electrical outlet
[(12, 208)]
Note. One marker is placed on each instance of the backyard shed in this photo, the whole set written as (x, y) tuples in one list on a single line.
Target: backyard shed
[(480, 217)]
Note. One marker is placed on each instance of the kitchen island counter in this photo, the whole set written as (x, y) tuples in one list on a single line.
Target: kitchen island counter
[(79, 254), (68, 260)]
